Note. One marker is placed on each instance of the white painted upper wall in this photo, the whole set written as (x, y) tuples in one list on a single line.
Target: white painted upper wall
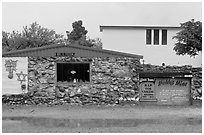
[(12, 85), (133, 40)]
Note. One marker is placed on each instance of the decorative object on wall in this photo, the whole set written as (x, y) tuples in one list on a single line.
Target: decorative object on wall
[(22, 79), (10, 67), (73, 72)]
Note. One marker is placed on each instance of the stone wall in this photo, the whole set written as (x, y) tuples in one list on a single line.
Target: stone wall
[(196, 87), (41, 76), (113, 80)]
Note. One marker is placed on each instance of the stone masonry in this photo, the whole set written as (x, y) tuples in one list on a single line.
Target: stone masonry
[(112, 80)]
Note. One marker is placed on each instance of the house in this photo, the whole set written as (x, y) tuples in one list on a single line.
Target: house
[(155, 43), (78, 74)]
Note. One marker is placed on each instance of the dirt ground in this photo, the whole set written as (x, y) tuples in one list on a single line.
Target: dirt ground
[(102, 119)]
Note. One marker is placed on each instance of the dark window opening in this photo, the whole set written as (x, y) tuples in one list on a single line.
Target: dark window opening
[(164, 37), (156, 37), (148, 36), (73, 72)]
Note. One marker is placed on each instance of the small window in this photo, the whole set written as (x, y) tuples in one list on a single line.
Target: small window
[(148, 36), (73, 72), (164, 37), (156, 37)]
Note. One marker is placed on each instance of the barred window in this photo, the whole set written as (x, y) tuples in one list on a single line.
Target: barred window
[(148, 36), (164, 37), (156, 37)]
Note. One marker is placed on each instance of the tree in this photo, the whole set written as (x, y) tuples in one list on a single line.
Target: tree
[(32, 36), (97, 43), (189, 39), (78, 31), (78, 35)]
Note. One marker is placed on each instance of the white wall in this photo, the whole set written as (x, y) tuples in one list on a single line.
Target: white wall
[(134, 41), (13, 86)]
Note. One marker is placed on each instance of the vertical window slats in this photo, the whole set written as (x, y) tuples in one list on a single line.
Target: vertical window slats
[(164, 37), (148, 36), (156, 36)]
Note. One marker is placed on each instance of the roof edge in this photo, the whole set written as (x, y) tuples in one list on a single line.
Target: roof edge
[(101, 27), (74, 45), (33, 49)]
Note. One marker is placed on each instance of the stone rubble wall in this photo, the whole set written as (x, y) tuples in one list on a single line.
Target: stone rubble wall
[(113, 81), (196, 87)]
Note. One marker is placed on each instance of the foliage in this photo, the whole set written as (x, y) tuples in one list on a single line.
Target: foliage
[(97, 43), (37, 36), (189, 38), (85, 42), (78, 35), (78, 31), (32, 36)]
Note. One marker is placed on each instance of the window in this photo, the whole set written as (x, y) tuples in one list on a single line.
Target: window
[(148, 36), (156, 37), (164, 37), (73, 72)]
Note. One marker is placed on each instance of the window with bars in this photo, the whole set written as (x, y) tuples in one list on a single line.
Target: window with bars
[(164, 37), (73, 72), (156, 36), (148, 36)]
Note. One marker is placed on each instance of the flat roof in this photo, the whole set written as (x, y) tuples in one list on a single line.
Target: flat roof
[(136, 26)]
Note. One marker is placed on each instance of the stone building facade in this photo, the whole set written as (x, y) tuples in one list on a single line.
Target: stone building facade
[(109, 78)]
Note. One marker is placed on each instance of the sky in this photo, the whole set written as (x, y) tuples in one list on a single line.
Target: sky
[(59, 16)]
